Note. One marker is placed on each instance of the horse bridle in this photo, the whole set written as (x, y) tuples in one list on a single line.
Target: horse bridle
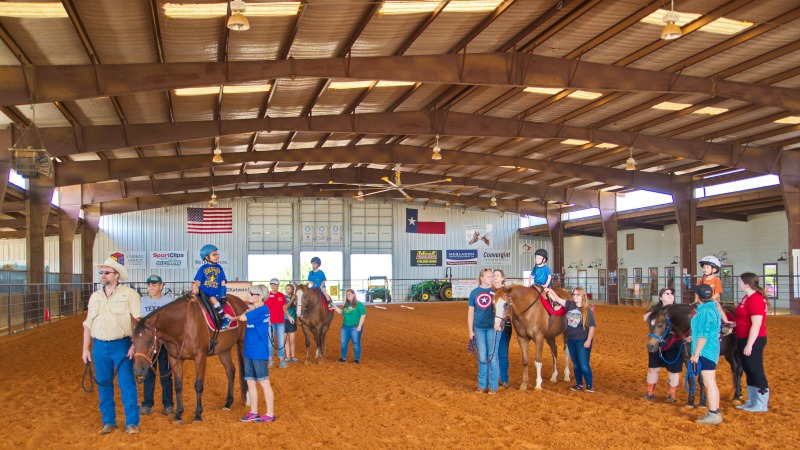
[(667, 328), (151, 360)]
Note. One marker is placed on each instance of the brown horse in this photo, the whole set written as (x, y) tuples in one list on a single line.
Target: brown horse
[(532, 322), (181, 326), (313, 318)]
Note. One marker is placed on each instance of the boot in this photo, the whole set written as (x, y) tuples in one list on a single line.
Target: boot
[(650, 394), (752, 391), (762, 399), (671, 391)]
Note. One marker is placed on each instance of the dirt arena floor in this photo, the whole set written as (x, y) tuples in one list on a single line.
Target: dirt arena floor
[(414, 389)]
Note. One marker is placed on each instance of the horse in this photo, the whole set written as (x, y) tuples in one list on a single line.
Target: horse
[(673, 322), (314, 319), (181, 326), (532, 322)]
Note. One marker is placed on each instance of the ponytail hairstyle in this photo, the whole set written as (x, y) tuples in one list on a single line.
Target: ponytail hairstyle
[(751, 280), (348, 303), (584, 305), (292, 296)]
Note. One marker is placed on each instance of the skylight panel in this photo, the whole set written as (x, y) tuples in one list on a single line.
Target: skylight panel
[(212, 10), (26, 10), (710, 111), (208, 90), (427, 7), (574, 142), (791, 120), (722, 25), (670, 106)]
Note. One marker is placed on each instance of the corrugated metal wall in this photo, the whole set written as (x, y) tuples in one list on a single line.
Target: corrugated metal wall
[(13, 251)]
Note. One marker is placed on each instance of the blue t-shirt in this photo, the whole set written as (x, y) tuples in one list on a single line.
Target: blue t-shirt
[(210, 277), (482, 300), (575, 330), (540, 274), (317, 278), (707, 324), (256, 337)]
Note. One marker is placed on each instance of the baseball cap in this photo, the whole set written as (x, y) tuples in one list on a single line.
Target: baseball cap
[(704, 291), (153, 279), (274, 281)]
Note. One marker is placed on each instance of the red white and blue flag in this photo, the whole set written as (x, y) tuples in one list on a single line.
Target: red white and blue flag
[(420, 222), (209, 220)]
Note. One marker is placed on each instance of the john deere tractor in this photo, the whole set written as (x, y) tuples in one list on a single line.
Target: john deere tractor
[(424, 291)]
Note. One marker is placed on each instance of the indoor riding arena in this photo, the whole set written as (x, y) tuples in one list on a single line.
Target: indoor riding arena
[(414, 388)]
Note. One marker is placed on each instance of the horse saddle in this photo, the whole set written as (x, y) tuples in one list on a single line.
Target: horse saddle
[(324, 300), (548, 306), (212, 319)]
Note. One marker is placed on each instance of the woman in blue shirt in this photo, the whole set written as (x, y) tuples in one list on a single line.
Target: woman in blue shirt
[(706, 325), (480, 321)]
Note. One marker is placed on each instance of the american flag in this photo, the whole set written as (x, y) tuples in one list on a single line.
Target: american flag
[(209, 220)]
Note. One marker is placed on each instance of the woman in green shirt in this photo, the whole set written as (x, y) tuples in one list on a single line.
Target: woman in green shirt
[(353, 313)]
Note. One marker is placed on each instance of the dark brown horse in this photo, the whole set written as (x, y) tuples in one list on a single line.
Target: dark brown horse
[(182, 328), (675, 321), (532, 322), (314, 319)]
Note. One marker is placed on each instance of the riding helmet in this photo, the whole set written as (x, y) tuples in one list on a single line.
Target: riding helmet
[(711, 260), (316, 260), (541, 252), (207, 250)]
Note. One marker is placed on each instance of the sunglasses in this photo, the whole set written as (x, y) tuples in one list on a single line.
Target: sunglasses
[(253, 293), (105, 272)]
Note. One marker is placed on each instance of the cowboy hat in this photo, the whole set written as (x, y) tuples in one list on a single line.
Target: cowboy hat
[(111, 262)]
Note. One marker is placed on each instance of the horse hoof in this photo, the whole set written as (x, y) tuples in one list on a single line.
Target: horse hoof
[(538, 388), (524, 387), (736, 401), (689, 406), (226, 408), (178, 422)]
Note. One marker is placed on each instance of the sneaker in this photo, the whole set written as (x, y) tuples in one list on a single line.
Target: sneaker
[(225, 323), (341, 360), (493, 392), (287, 360), (265, 418), (356, 362), (250, 417), (710, 419), (481, 391), (577, 387), (132, 429), (271, 363), (283, 365), (146, 410), (294, 360), (590, 389)]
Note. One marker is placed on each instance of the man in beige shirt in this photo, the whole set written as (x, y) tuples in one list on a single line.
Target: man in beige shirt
[(108, 329)]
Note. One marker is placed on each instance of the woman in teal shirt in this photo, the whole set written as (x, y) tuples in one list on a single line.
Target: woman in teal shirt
[(706, 326), (353, 313)]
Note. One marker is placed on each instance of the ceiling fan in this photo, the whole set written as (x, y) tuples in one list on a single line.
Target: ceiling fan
[(395, 185)]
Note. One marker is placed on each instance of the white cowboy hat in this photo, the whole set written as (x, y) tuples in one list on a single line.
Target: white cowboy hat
[(111, 262)]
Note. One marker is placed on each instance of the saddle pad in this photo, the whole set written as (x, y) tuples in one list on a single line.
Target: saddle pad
[(547, 306), (323, 300), (229, 311)]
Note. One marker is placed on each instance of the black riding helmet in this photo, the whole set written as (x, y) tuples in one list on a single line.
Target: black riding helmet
[(316, 260), (541, 252)]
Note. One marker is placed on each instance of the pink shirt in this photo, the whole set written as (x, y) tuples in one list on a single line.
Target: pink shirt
[(275, 303)]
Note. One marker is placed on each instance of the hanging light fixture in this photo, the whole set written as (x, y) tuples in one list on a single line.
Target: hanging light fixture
[(784, 257), (238, 21), (360, 195), (493, 200), (630, 163), (212, 203), (446, 205), (437, 151), (671, 31), (217, 159), (676, 260)]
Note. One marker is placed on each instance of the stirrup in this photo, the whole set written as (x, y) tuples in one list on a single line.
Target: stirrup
[(212, 346)]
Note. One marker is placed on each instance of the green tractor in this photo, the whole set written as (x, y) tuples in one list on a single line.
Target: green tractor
[(378, 288), (424, 291)]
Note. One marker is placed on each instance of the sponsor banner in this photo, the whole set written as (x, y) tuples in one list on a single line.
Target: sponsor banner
[(135, 260), (307, 234), (494, 258), (462, 288), (168, 259), (461, 257), (224, 261), (322, 234), (525, 249), (479, 236), (336, 235), (240, 289), (421, 258)]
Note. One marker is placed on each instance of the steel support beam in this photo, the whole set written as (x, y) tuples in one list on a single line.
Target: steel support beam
[(48, 83), (685, 205), (639, 224), (40, 192), (69, 199), (91, 224), (61, 141), (790, 185), (556, 227), (711, 214), (5, 163), (608, 214)]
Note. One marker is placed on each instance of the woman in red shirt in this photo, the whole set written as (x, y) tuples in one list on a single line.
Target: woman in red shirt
[(751, 333)]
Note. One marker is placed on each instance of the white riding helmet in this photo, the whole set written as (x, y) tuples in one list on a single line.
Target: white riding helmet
[(712, 261)]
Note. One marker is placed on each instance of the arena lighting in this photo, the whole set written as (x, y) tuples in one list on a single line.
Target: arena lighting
[(217, 159), (784, 257), (493, 200), (671, 31), (212, 203), (630, 163), (238, 21), (437, 151), (447, 206), (676, 260)]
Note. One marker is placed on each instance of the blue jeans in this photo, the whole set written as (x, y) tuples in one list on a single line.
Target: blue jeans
[(277, 335), (107, 355), (166, 381), (505, 340), (350, 334), (487, 341), (580, 361)]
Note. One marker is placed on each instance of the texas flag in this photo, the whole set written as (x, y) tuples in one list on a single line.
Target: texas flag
[(421, 223)]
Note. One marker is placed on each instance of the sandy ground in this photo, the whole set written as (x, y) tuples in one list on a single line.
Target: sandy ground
[(413, 389)]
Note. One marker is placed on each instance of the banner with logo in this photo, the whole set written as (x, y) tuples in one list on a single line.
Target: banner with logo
[(423, 258), (224, 260), (168, 259), (479, 236), (322, 235), (307, 234), (240, 289), (461, 257), (136, 260), (494, 258), (462, 288), (525, 249), (336, 235)]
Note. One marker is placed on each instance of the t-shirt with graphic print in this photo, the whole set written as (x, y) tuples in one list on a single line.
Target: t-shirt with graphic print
[(575, 330), (481, 299), (211, 277), (540, 274)]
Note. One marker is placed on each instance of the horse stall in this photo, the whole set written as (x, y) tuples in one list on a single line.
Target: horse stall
[(413, 389)]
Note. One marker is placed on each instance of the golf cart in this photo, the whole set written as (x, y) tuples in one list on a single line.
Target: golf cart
[(378, 288)]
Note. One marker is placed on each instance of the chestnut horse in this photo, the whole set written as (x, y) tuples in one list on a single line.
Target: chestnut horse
[(532, 322), (182, 328), (314, 319), (675, 321)]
